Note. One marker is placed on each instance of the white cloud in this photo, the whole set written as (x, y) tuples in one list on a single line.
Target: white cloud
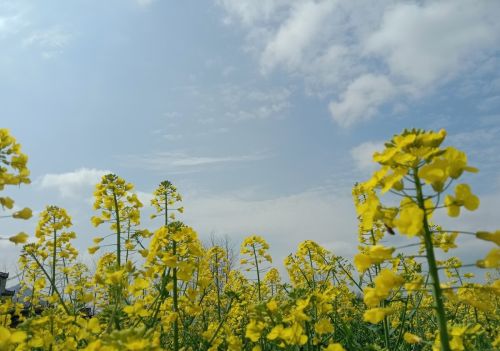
[(436, 40), (359, 53), (301, 30), (10, 24), (362, 99), (72, 184), (283, 221), (363, 154), (13, 17), (145, 198)]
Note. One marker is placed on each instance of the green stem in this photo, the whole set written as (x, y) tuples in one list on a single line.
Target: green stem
[(176, 306), (433, 270), (257, 269), (118, 232), (221, 323), (53, 286), (217, 283), (386, 330), (128, 239), (54, 249), (174, 281)]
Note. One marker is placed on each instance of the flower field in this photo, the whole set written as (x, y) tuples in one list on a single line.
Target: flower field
[(162, 289)]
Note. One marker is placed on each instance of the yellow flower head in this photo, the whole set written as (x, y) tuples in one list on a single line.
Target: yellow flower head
[(25, 213), (410, 219), (19, 238), (412, 338), (376, 315)]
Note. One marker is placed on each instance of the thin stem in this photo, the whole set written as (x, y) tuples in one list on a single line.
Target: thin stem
[(63, 304), (431, 260), (257, 269), (54, 250), (216, 266), (175, 298), (118, 232)]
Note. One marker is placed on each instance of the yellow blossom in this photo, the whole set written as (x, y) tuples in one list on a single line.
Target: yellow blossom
[(435, 173), (6, 202), (457, 162), (380, 253), (410, 219), (376, 315), (19, 238), (272, 306), (387, 280), (92, 250), (362, 262), (115, 277), (334, 347), (323, 326), (97, 240), (492, 259), (275, 332), (494, 237), (412, 338), (463, 197), (254, 330), (25, 213)]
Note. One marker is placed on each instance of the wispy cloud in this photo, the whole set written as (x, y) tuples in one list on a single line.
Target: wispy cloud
[(183, 161), (180, 136), (172, 137), (197, 161), (242, 103), (50, 41)]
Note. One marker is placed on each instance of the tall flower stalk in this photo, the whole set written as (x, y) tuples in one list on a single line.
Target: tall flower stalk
[(416, 169), (164, 201)]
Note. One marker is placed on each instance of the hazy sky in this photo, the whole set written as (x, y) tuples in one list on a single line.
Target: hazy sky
[(263, 113)]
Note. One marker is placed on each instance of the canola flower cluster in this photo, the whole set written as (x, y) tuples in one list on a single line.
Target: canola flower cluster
[(165, 290)]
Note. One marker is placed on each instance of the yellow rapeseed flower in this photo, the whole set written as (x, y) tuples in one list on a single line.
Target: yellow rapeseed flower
[(92, 250), (19, 238), (488, 236), (25, 213), (334, 347), (376, 315), (492, 259), (410, 219), (412, 338), (463, 197), (323, 326), (254, 330)]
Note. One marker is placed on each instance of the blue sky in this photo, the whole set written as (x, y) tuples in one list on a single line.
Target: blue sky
[(264, 113)]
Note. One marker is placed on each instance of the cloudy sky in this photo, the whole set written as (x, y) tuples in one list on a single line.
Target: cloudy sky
[(263, 113)]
